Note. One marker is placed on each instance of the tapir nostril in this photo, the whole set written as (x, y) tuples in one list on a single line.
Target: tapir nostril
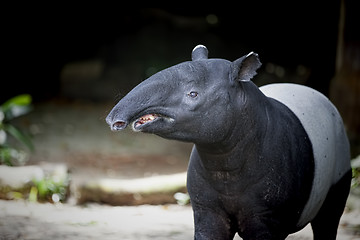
[(118, 125)]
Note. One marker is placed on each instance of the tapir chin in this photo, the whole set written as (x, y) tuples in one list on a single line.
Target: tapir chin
[(266, 161)]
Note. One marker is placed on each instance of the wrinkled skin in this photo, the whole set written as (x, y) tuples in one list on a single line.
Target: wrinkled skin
[(252, 166)]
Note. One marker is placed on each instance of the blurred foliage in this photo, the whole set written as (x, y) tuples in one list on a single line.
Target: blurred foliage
[(355, 165), (49, 189), (13, 108)]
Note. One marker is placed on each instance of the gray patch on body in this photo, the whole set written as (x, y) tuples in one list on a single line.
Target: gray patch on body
[(324, 126)]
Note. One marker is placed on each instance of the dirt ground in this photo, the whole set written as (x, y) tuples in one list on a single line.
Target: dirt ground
[(75, 133), (24, 220)]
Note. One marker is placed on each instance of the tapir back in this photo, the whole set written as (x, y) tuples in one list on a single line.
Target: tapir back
[(324, 126)]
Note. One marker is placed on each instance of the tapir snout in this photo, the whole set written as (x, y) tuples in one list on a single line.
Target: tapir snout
[(146, 107), (117, 125)]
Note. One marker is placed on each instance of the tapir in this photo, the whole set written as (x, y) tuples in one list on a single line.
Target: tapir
[(266, 161)]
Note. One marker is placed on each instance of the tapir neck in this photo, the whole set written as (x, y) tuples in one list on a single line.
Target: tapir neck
[(247, 130)]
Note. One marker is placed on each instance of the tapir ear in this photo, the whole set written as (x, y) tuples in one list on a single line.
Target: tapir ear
[(199, 52), (246, 66)]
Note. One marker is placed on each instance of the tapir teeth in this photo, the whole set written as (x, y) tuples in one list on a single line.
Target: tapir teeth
[(146, 118), (149, 118)]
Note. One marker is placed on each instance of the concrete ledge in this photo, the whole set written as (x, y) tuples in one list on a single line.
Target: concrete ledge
[(18, 177), (151, 190), (18, 182)]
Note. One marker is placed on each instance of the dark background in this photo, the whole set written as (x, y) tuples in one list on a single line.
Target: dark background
[(39, 42)]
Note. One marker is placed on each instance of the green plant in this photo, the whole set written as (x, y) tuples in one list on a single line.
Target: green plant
[(13, 108), (49, 189), (355, 165)]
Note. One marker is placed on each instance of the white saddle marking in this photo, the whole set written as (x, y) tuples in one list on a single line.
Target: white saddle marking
[(325, 129)]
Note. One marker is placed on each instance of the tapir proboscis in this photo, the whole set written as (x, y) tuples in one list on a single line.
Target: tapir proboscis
[(266, 161)]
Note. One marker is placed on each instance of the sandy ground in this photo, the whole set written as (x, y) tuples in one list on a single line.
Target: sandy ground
[(24, 220), (76, 134)]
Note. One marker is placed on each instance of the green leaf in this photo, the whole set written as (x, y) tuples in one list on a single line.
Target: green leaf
[(22, 100), (33, 194), (16, 106), (19, 136), (5, 155)]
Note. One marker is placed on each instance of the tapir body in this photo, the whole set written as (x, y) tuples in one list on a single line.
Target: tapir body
[(266, 162)]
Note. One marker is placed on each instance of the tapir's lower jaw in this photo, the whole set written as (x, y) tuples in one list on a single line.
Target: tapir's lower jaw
[(151, 123), (146, 119)]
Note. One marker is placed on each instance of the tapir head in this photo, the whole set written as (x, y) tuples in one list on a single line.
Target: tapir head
[(192, 101)]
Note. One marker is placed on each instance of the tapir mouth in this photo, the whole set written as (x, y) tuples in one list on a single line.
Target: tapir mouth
[(141, 121), (148, 119)]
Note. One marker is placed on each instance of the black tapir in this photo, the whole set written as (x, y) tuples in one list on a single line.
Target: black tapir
[(266, 161)]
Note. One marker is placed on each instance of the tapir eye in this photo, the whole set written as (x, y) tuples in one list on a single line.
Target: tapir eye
[(193, 94)]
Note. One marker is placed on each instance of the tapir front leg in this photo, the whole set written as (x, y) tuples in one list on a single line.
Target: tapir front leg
[(214, 222), (210, 221), (210, 225)]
